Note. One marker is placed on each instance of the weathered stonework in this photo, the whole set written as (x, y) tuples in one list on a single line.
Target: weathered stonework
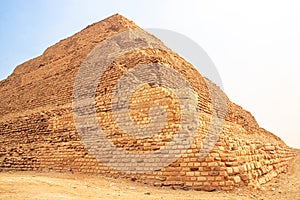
[(37, 129)]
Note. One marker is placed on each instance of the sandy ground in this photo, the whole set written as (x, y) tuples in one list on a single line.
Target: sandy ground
[(33, 185)]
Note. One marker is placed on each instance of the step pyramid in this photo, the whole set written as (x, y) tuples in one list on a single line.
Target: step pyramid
[(114, 100)]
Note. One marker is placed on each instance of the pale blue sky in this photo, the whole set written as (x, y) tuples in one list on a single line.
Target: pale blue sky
[(254, 44)]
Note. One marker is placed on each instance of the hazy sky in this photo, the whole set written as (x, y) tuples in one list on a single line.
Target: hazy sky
[(255, 44)]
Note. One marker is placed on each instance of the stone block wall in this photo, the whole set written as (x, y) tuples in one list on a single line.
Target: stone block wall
[(37, 130)]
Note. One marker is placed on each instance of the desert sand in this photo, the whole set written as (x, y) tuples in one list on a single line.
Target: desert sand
[(38, 185)]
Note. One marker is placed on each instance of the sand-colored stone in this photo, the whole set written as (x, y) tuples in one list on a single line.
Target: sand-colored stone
[(37, 131)]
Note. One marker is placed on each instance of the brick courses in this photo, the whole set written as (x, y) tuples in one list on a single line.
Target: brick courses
[(37, 131)]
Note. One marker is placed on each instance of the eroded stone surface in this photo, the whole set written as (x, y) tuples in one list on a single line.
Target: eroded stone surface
[(37, 130)]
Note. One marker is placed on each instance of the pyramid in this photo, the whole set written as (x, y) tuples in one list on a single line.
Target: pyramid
[(113, 100)]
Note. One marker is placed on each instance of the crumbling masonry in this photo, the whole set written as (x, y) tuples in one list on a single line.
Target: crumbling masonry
[(37, 131)]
